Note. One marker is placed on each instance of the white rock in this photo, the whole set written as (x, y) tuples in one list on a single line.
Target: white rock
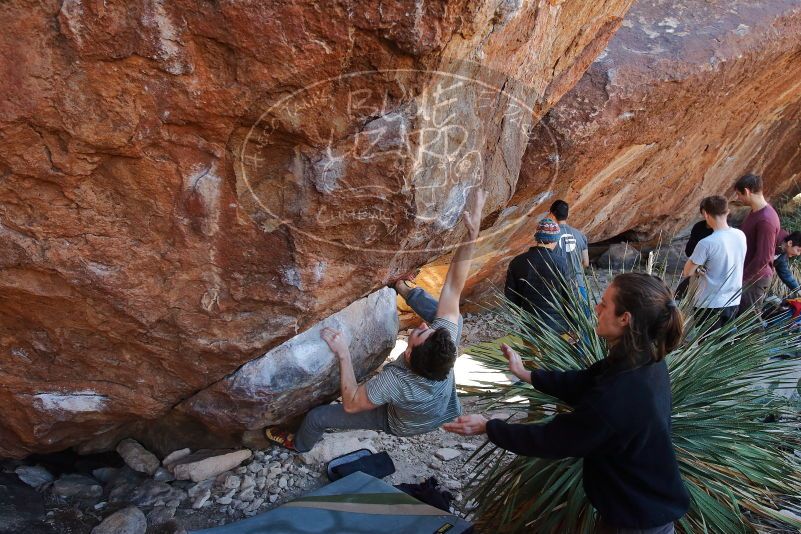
[(34, 475), (452, 484), (174, 456), (247, 482), (224, 500), (137, 457), (247, 494), (232, 482), (203, 465), (199, 488), (468, 446), (129, 520), (283, 482), (261, 482), (336, 444), (254, 467), (284, 455), (364, 434), (273, 497), (447, 455), (201, 499), (255, 505)]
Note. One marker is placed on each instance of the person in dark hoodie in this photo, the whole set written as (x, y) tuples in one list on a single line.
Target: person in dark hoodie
[(620, 422), (536, 279)]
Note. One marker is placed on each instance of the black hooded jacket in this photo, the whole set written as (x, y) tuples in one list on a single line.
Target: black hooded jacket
[(620, 425)]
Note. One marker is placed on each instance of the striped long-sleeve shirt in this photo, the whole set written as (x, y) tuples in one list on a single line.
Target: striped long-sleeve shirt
[(416, 405)]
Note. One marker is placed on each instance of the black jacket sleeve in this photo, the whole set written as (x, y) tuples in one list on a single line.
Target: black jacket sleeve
[(564, 385), (699, 231), (576, 434)]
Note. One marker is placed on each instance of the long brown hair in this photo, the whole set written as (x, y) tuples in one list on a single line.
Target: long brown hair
[(656, 324)]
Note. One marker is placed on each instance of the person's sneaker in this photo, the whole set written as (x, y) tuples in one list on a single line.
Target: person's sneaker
[(282, 437)]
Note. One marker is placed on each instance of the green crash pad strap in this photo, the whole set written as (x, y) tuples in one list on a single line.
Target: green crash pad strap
[(368, 503)]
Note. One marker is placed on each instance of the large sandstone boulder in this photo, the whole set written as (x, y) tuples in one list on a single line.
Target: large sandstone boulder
[(184, 185), (687, 97), (300, 373)]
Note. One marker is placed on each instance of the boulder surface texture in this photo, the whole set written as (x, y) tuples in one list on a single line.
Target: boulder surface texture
[(185, 185), (687, 97)]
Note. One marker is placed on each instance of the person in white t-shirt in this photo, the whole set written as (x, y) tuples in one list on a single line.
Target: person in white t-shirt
[(718, 262)]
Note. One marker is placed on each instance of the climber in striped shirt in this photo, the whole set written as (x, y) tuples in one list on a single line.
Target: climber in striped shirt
[(415, 393)]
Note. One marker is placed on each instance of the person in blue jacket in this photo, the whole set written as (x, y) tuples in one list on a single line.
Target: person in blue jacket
[(620, 418), (789, 247)]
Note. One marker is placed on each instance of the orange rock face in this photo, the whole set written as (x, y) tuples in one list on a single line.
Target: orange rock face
[(184, 185), (686, 98)]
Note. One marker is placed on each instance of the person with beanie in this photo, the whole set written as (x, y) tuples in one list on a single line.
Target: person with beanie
[(535, 280)]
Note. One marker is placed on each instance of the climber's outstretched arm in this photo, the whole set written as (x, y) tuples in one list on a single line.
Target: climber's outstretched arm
[(460, 264)]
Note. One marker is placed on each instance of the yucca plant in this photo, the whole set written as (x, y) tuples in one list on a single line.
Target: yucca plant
[(738, 470)]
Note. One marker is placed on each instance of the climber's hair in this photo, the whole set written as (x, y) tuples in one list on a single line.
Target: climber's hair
[(752, 182), (434, 358), (715, 205)]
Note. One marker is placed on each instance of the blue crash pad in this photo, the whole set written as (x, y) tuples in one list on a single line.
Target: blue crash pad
[(357, 504)]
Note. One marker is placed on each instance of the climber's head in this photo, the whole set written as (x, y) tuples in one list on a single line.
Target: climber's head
[(431, 352)]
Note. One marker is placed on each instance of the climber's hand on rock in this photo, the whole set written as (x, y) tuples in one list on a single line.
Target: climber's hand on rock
[(336, 341), (467, 425)]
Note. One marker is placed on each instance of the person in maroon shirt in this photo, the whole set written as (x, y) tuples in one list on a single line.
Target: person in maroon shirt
[(761, 227)]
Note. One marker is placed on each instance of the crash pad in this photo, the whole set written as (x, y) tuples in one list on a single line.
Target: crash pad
[(355, 504)]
